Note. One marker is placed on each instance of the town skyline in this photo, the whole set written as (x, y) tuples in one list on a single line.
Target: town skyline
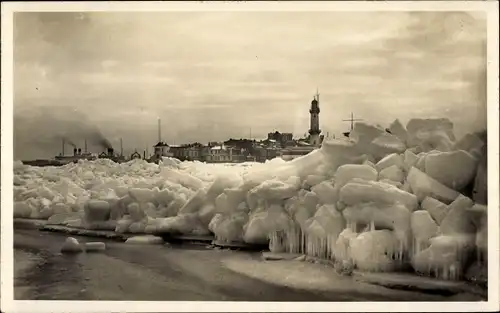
[(117, 73)]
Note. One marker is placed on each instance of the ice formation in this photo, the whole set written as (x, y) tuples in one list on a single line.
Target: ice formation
[(144, 240), (376, 201), (95, 246), (71, 245)]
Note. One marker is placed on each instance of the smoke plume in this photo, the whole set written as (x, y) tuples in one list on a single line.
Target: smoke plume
[(52, 127), (96, 137), (69, 142)]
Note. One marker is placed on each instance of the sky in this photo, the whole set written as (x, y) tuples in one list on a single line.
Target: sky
[(212, 76)]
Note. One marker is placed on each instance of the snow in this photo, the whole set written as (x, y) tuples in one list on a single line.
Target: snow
[(423, 228), (469, 143), (347, 172), (392, 173), (71, 245), (424, 186), (386, 144), (325, 192), (390, 160), (431, 134), (22, 209), (374, 251), (398, 130), (144, 240), (436, 209), (441, 259), (479, 214), (97, 210), (409, 160), (363, 133), (454, 169), (458, 220), (359, 190), (95, 246), (371, 199)]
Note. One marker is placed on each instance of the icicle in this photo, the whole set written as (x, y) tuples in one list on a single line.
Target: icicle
[(272, 241), (401, 249), (302, 241), (298, 238), (310, 245), (288, 240), (323, 248), (319, 251), (329, 240), (454, 272)]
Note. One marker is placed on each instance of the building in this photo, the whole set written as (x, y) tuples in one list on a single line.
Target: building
[(291, 153), (283, 139), (188, 152), (313, 141), (162, 149), (177, 151), (264, 153), (193, 151), (135, 155), (314, 131), (218, 154), (222, 153)]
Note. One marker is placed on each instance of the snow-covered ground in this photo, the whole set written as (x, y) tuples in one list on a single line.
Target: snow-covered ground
[(379, 200)]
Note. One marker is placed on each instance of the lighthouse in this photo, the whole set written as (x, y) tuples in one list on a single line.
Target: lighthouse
[(314, 131)]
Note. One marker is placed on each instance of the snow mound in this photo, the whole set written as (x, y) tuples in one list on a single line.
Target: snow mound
[(145, 240), (375, 251), (71, 245), (95, 246), (380, 198)]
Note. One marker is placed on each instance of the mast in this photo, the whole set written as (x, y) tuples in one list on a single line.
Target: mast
[(121, 146), (63, 147), (159, 130), (352, 120), (85, 146)]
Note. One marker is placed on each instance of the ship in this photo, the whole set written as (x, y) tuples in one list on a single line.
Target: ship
[(63, 159), (109, 154), (77, 155)]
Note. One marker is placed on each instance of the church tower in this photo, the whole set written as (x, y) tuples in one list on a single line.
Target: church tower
[(314, 131)]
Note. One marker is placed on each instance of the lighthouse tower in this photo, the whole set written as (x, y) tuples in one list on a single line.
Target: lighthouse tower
[(314, 131)]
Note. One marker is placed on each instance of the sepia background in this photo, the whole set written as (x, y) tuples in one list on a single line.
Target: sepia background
[(220, 75)]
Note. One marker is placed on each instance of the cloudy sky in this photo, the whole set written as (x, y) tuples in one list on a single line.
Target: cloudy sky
[(216, 75)]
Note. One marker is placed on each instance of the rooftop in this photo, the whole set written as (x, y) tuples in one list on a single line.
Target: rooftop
[(161, 144)]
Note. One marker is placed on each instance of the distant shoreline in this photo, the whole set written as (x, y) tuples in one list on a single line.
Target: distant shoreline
[(42, 163)]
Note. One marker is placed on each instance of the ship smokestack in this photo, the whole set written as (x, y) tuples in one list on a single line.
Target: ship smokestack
[(79, 151), (110, 152), (75, 151)]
